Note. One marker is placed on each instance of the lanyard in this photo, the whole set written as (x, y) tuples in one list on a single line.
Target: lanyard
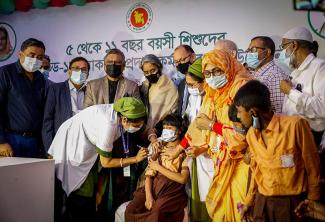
[(125, 143)]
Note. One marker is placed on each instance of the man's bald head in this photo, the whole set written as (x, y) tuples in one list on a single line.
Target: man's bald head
[(228, 46)]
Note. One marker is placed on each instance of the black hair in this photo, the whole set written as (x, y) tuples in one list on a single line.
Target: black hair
[(177, 121), (4, 30), (47, 58), (253, 94), (195, 77), (232, 113), (311, 46), (115, 51), (267, 42), (77, 59), (186, 47), (32, 42)]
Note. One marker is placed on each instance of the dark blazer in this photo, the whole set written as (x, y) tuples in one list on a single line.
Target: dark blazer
[(57, 110), (182, 97)]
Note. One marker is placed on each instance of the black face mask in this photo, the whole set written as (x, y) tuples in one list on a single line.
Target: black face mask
[(183, 67), (153, 78), (114, 70)]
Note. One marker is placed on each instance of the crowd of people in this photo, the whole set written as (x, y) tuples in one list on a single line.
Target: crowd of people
[(222, 141)]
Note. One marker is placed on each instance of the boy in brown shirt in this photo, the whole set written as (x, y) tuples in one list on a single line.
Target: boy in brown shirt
[(284, 160)]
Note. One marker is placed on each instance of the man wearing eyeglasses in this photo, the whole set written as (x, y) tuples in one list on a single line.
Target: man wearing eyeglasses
[(22, 98), (65, 99), (184, 56), (260, 59), (305, 94), (113, 86)]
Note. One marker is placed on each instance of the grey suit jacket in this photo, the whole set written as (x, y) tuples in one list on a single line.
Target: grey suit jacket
[(97, 91)]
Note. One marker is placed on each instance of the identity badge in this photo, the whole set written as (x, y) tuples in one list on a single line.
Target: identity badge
[(127, 171), (287, 161)]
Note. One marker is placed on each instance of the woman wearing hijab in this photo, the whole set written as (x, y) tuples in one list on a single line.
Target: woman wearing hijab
[(90, 136), (201, 166), (159, 93), (224, 76)]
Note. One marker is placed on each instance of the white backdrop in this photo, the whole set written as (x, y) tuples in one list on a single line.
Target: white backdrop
[(91, 30)]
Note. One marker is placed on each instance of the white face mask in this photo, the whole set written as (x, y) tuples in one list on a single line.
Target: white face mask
[(217, 82), (31, 64), (132, 129), (78, 77), (284, 59), (193, 91), (168, 135)]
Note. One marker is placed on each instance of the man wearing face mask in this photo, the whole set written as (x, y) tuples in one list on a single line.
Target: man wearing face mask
[(22, 98), (260, 55), (184, 56), (45, 68), (305, 94), (108, 89), (64, 100)]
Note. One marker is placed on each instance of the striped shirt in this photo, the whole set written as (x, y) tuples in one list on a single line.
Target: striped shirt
[(271, 75)]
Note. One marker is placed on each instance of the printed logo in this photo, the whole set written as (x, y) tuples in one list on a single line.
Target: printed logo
[(139, 17)]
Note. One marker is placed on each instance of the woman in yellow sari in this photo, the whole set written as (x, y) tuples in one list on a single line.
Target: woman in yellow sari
[(224, 76)]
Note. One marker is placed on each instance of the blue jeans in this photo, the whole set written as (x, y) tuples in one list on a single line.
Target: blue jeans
[(24, 146)]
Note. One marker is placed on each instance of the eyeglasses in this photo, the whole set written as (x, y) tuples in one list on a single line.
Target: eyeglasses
[(283, 46), (254, 49), (213, 72), (77, 69), (181, 61)]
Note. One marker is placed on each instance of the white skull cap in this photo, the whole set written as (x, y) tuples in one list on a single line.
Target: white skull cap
[(299, 33)]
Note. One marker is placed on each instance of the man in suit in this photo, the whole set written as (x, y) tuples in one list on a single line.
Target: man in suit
[(184, 56), (65, 99), (113, 86)]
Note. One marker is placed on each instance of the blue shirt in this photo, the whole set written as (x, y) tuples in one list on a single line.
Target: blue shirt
[(21, 100)]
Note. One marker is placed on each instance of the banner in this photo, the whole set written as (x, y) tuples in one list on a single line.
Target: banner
[(150, 26)]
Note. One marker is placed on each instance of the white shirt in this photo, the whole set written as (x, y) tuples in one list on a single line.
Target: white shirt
[(310, 103), (77, 98), (193, 107), (79, 140)]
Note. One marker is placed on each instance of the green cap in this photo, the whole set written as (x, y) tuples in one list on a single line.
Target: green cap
[(130, 107), (196, 68)]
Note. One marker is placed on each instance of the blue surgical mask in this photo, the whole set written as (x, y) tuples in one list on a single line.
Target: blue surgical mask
[(217, 82), (256, 122), (78, 77), (45, 73), (168, 135), (252, 60), (284, 59)]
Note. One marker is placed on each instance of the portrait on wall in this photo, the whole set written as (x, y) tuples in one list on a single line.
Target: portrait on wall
[(7, 41)]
